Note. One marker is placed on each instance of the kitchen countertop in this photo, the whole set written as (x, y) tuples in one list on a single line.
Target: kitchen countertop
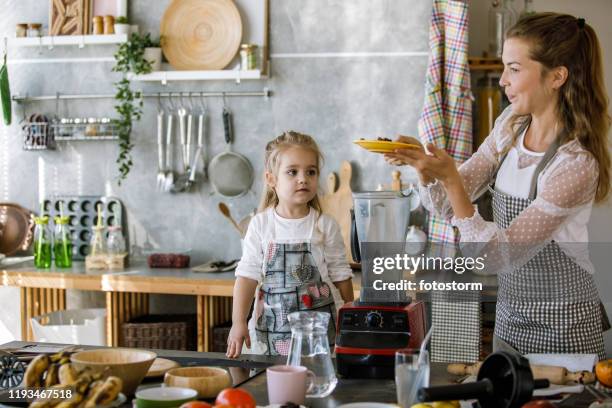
[(138, 277), (347, 390)]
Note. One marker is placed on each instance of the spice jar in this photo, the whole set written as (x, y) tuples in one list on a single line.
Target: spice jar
[(109, 25), (62, 244), (42, 243), (21, 30), (98, 25), (34, 30), (97, 244), (248, 60)]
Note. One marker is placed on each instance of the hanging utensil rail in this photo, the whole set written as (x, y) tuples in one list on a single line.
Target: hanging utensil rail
[(266, 93)]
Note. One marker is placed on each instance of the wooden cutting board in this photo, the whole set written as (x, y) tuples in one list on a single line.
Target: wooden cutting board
[(338, 203)]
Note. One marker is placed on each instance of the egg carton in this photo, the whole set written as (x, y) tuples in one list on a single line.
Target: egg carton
[(83, 214)]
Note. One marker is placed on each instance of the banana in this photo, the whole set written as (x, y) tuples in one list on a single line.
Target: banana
[(93, 389), (52, 377), (35, 370), (105, 394), (59, 356), (67, 374), (80, 388)]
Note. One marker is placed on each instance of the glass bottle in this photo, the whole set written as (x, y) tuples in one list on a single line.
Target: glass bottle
[(42, 243), (97, 244), (115, 244), (310, 348), (62, 244), (500, 20)]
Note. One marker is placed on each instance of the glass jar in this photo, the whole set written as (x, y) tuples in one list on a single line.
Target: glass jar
[(42, 243), (34, 30), (62, 244), (115, 243), (248, 57), (500, 20), (97, 244), (21, 30)]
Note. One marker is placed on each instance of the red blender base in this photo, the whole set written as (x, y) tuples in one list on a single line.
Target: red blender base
[(369, 335)]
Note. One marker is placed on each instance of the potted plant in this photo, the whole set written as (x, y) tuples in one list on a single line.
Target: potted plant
[(153, 54), (121, 25), (129, 58)]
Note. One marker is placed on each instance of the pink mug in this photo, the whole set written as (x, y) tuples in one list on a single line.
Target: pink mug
[(288, 384)]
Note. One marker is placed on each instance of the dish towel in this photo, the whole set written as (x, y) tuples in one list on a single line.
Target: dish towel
[(446, 121)]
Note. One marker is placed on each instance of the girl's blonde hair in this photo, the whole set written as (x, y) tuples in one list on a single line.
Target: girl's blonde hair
[(563, 40), (274, 150)]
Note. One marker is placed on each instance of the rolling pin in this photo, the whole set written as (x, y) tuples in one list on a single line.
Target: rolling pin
[(556, 375)]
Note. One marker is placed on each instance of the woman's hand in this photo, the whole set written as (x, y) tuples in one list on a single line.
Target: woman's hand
[(239, 333), (398, 160), (435, 165)]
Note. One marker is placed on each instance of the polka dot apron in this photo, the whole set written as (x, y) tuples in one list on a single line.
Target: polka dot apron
[(550, 304), (291, 283)]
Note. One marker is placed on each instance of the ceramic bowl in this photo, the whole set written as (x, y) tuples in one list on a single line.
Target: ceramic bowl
[(131, 365), (164, 397), (207, 381)]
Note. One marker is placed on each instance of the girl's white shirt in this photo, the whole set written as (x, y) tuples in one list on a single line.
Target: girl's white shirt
[(565, 194)]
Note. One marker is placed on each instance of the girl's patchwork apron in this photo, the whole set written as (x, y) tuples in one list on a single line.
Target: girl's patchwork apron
[(291, 283), (550, 304)]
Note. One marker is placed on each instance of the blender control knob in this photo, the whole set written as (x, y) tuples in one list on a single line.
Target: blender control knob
[(374, 319)]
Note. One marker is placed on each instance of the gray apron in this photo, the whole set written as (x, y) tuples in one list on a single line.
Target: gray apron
[(550, 304), (291, 283)]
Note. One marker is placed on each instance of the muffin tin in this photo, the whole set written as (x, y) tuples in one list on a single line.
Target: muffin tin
[(83, 214)]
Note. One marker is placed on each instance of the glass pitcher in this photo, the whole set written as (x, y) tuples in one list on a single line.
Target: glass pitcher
[(310, 348)]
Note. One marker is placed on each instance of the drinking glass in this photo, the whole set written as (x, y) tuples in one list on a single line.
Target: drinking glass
[(411, 373)]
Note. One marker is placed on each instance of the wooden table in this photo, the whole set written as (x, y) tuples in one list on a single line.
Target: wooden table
[(127, 294), (347, 390)]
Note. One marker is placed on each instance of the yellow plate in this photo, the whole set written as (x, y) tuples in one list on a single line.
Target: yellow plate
[(381, 146)]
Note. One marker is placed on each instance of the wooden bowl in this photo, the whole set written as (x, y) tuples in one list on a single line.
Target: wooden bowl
[(131, 365), (207, 381)]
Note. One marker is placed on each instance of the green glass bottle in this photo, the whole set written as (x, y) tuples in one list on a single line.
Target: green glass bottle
[(62, 244), (42, 243)]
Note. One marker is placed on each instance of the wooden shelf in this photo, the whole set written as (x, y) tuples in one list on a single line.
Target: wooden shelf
[(217, 75), (485, 64), (63, 40)]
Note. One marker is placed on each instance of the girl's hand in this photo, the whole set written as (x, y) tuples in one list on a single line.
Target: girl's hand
[(239, 333), (436, 165)]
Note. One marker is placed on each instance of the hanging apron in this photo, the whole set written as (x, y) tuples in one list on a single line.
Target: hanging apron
[(291, 283), (550, 304)]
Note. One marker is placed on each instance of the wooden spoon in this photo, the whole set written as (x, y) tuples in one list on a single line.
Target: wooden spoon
[(226, 211)]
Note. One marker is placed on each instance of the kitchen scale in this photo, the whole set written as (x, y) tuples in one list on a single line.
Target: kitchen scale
[(372, 328)]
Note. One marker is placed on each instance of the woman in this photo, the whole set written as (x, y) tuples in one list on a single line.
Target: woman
[(545, 163)]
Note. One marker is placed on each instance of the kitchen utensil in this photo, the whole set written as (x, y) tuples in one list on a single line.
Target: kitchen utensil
[(185, 181), (169, 153), (16, 228), (194, 167), (131, 365), (226, 212), (338, 203), (182, 116), (5, 91), (381, 146), (201, 125), (231, 174), (309, 347), (201, 34), (160, 366), (554, 374), (81, 210), (161, 175), (164, 397), (207, 381), (504, 381)]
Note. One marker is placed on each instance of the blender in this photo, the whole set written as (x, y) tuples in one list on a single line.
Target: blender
[(383, 320)]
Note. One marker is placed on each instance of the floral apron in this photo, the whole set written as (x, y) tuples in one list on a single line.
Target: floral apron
[(550, 304), (291, 283)]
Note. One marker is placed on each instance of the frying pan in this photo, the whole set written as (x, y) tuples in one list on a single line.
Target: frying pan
[(230, 173), (16, 228)]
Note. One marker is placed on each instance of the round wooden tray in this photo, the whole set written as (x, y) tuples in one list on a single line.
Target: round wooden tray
[(160, 366), (201, 34)]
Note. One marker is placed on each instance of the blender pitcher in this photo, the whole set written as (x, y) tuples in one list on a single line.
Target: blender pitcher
[(310, 348)]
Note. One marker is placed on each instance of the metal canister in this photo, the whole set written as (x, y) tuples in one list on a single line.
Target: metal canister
[(248, 57)]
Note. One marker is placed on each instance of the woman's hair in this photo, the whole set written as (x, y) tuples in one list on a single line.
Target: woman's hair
[(563, 40), (274, 151)]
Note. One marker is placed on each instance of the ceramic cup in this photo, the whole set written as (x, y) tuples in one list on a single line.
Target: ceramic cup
[(288, 384)]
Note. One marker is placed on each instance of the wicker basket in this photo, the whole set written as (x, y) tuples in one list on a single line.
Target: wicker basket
[(169, 332)]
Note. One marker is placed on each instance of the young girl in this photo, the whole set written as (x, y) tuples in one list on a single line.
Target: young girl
[(293, 255), (545, 163)]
